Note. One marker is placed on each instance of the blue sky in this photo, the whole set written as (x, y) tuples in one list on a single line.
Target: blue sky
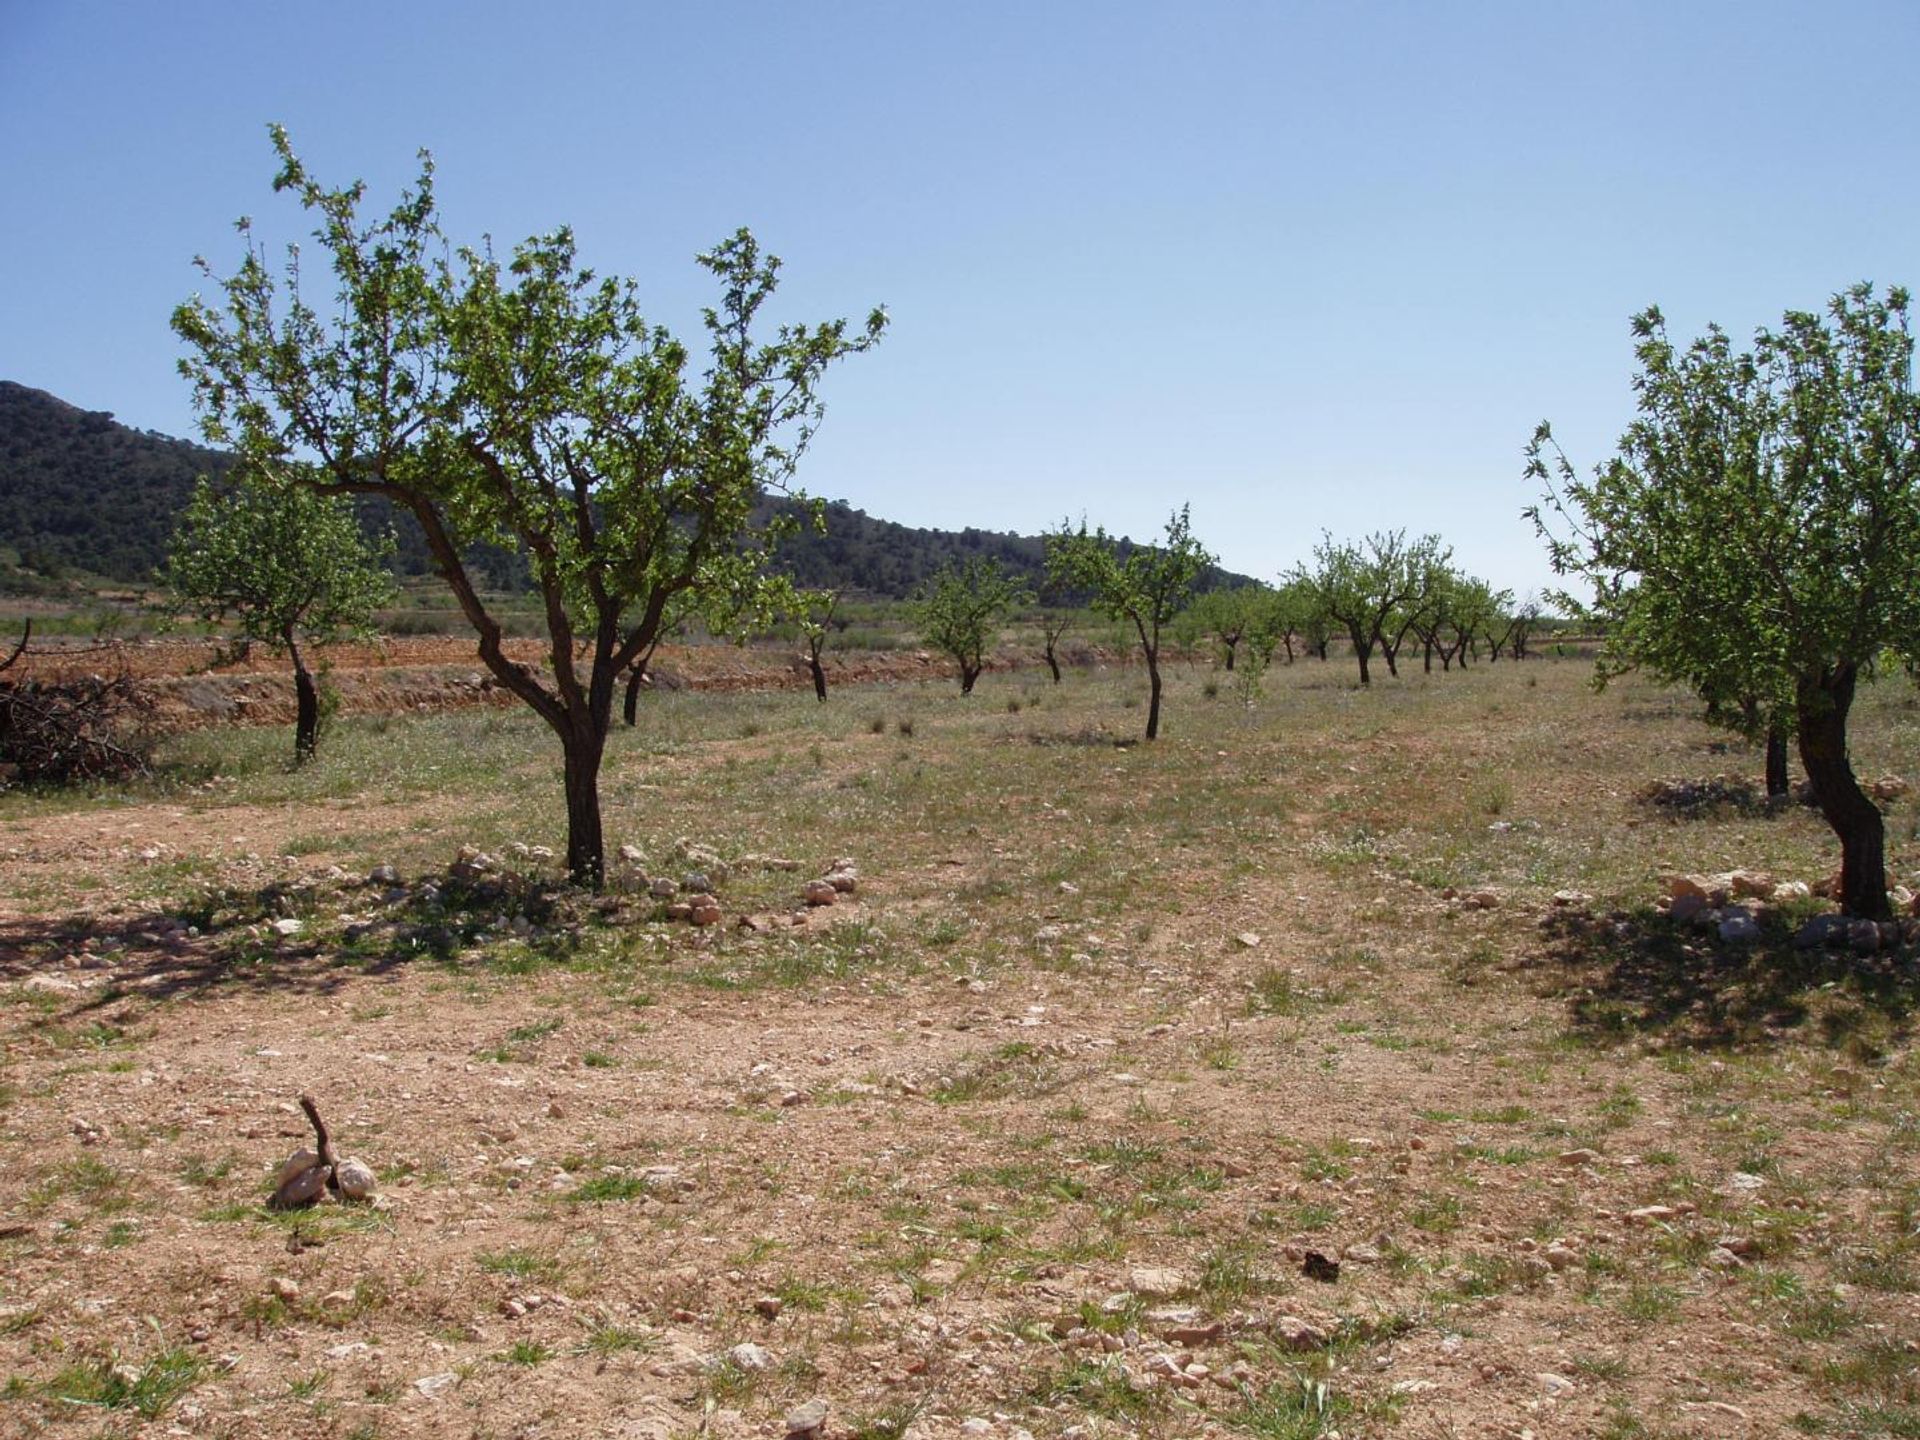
[(1308, 267)]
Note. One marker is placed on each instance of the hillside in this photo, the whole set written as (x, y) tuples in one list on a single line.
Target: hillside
[(80, 492)]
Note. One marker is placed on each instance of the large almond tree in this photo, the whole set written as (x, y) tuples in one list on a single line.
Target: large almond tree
[(1757, 537), (523, 402)]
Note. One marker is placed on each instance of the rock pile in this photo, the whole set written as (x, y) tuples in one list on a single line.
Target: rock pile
[(1734, 903)]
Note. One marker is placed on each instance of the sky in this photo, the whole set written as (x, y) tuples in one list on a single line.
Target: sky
[(1309, 268)]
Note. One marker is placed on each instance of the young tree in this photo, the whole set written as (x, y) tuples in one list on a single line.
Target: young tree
[(1359, 588), (526, 403), (1233, 614), (1755, 536), (1054, 622), (288, 566), (814, 615), (959, 609), (1147, 585), (1300, 615)]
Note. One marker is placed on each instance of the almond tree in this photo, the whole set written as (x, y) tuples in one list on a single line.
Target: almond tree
[(288, 566), (1147, 585), (527, 403), (1755, 536), (959, 609)]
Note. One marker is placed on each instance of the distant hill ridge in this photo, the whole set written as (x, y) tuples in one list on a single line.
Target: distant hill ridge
[(79, 491)]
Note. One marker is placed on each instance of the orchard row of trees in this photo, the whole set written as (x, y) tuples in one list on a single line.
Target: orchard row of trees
[(1754, 537), (1378, 594)]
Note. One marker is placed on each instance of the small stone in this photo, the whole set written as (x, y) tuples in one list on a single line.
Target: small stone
[(337, 1300), (807, 1419), (1560, 1257), (1648, 1214), (288, 927), (1737, 927), (1686, 907), (434, 1386), (1485, 899), (1193, 1334), (1820, 931), (1574, 1159), (383, 875), (296, 1165), (750, 1357), (513, 1308), (1864, 937), (282, 1288), (768, 1306), (844, 881), (697, 882), (1248, 939), (1791, 890), (819, 892), (355, 1179), (1556, 1386), (1361, 1253), (1568, 899), (1297, 1334), (303, 1190), (663, 889), (1154, 1282), (1684, 885)]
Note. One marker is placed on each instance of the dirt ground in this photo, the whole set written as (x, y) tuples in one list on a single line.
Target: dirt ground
[(1322, 1069)]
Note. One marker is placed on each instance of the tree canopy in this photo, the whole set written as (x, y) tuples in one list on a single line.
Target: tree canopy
[(528, 403), (287, 566), (960, 609), (1145, 585), (1755, 536)]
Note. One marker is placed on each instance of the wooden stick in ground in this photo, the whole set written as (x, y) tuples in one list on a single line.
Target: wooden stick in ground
[(322, 1143)]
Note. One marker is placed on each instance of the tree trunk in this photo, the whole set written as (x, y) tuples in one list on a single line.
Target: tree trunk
[(306, 724), (1363, 652), (1231, 645), (968, 674), (1822, 703), (819, 677), (1153, 690), (1053, 663), (636, 677), (1776, 763), (586, 847)]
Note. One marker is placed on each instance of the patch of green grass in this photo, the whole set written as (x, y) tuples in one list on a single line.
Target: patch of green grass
[(149, 1390), (1436, 1214), (605, 1189), (1095, 1387), (527, 1352), (1650, 1303), (607, 1340), (516, 1262), (1297, 1409), (1819, 1317)]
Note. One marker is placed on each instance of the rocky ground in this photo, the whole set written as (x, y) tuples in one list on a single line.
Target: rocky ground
[(936, 1068)]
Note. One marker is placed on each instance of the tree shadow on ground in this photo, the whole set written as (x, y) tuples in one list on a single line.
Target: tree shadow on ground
[(1638, 974), (229, 940)]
